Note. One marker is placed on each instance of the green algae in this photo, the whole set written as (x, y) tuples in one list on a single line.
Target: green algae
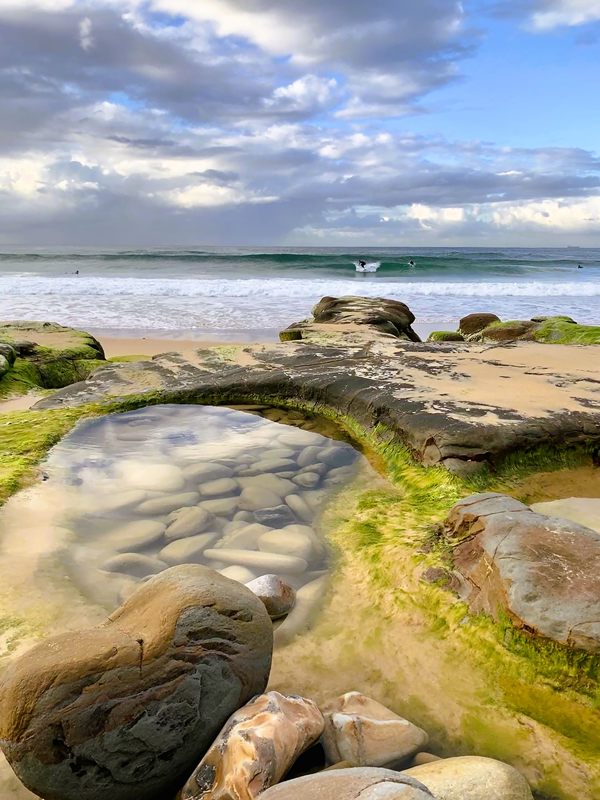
[(560, 331), (445, 336)]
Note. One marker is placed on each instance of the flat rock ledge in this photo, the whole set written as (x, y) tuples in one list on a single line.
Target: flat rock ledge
[(543, 572), (461, 405)]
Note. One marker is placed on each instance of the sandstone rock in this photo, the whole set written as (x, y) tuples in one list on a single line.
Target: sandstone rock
[(206, 472), (188, 522), (278, 597), (153, 477), (218, 488), (277, 516), (267, 562), (287, 543), (134, 535), (543, 572), (188, 550), (474, 323), (362, 783), (383, 315), (472, 778), (365, 733), (135, 564), (507, 331), (126, 710), (168, 504), (240, 574), (256, 748), (254, 498)]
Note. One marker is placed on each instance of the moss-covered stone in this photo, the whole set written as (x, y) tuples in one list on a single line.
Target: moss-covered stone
[(46, 356), (445, 336), (560, 330)]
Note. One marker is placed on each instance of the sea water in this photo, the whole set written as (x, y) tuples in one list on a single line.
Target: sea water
[(229, 290)]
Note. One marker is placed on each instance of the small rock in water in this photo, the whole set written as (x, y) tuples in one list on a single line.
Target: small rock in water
[(274, 464), (188, 550), (122, 501), (308, 598), (153, 477), (225, 506), (134, 535), (188, 522), (277, 517), (287, 543), (255, 749), (218, 488), (278, 597), (337, 456), (307, 480), (472, 778), (309, 456), (234, 525), (134, 564), (316, 469), (245, 538), (200, 473), (165, 505), (254, 498), (245, 515), (267, 562), (367, 734), (239, 574), (275, 483), (300, 507), (361, 783)]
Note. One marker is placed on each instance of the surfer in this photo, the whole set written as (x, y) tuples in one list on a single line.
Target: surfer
[(411, 263), (579, 266), (362, 263)]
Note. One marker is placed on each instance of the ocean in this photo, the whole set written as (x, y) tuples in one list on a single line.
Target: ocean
[(233, 291)]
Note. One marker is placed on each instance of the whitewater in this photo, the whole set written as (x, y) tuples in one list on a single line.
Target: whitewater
[(221, 289)]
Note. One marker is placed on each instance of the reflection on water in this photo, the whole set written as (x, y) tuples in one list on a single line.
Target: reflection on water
[(170, 485)]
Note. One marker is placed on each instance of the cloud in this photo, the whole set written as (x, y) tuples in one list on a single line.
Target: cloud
[(547, 15)]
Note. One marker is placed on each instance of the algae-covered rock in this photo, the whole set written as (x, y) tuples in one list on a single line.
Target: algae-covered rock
[(472, 778), (445, 336), (127, 710), (473, 323), (46, 355), (549, 330)]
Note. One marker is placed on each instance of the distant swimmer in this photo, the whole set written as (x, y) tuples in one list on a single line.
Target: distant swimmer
[(76, 272), (579, 266), (411, 263)]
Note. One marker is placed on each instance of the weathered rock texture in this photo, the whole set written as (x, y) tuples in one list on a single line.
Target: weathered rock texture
[(126, 710), (543, 572), (278, 597), (448, 402), (379, 315), (255, 749), (362, 783), (472, 778), (364, 733)]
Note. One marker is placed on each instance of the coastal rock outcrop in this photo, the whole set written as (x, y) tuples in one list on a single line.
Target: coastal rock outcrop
[(127, 709), (543, 572), (472, 778), (473, 323), (365, 733), (378, 314), (255, 749), (360, 783)]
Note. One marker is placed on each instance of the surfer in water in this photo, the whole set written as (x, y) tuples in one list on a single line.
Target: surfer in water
[(411, 263), (362, 263)]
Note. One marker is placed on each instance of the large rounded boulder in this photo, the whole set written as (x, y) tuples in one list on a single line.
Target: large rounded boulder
[(127, 710), (360, 783)]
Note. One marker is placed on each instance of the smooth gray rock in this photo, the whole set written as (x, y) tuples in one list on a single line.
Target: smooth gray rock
[(309, 456), (253, 559), (222, 506), (472, 778), (254, 498), (288, 543), (277, 517), (300, 508), (307, 480), (277, 596), (188, 550), (360, 783), (218, 488), (199, 473)]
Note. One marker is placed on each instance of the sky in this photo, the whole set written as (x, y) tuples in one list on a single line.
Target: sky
[(321, 122)]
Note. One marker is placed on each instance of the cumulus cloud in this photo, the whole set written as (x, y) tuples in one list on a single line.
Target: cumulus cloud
[(260, 121), (547, 15)]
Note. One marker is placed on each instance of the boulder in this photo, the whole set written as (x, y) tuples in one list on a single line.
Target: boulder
[(445, 336), (474, 323), (255, 749), (382, 315), (542, 572), (361, 783), (367, 734), (126, 710), (278, 597), (472, 778), (507, 331)]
